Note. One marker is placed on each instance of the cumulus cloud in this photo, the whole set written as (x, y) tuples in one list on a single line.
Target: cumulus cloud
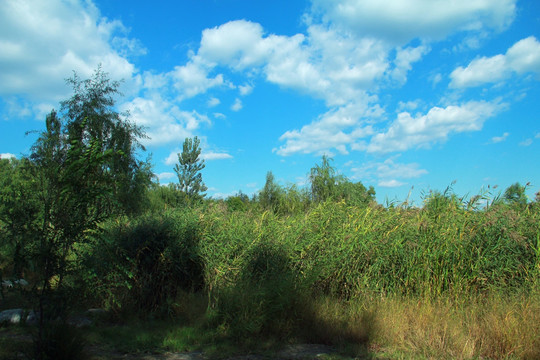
[(405, 57), (164, 121), (193, 79), (522, 57), (337, 129), (41, 43), (409, 131), (400, 21)]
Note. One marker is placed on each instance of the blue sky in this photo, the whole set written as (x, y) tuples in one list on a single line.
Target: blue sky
[(402, 94)]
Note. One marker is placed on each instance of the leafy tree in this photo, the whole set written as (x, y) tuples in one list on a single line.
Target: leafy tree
[(324, 180), (83, 169), (18, 214), (326, 184), (270, 195), (238, 202), (188, 170), (355, 193), (515, 195), (89, 117)]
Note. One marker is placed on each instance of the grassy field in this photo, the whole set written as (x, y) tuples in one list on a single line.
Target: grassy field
[(445, 281)]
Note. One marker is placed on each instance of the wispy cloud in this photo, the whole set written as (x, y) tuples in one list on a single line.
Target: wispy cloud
[(498, 139)]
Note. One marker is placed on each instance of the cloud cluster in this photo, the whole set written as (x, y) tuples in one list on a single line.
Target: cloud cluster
[(41, 43), (399, 21), (349, 54)]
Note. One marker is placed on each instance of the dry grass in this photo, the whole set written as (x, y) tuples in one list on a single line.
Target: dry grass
[(492, 328)]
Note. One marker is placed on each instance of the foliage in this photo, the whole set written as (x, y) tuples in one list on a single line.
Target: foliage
[(326, 184), (140, 264), (82, 169), (270, 195), (19, 215), (188, 170), (89, 117), (515, 195), (323, 179), (238, 202)]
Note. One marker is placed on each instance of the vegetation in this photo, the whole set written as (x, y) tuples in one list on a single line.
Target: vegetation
[(188, 170), (176, 271)]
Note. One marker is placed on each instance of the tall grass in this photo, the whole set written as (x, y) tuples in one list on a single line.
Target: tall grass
[(343, 251), (442, 281)]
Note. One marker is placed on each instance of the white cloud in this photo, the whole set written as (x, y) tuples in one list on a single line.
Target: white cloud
[(498, 139), (403, 61), (388, 173), (391, 169), (166, 176), (192, 79), (400, 21), (237, 105), (213, 101), (390, 183), (209, 156), (172, 158), (164, 122), (337, 129), (407, 132), (408, 106), (245, 89), (522, 57), (41, 43), (7, 156), (388, 170)]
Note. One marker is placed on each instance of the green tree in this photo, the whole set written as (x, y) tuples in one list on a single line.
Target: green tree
[(89, 117), (18, 215), (515, 195), (327, 184), (84, 169), (323, 179), (355, 193), (189, 171), (270, 195)]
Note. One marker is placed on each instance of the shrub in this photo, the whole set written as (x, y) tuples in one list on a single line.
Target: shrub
[(140, 264)]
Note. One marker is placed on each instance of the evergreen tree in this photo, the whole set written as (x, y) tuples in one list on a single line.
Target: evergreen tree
[(189, 171)]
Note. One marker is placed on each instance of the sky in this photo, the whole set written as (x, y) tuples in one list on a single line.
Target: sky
[(408, 96)]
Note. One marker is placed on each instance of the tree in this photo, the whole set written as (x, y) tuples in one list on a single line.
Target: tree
[(270, 195), (188, 171), (326, 184), (323, 180), (89, 117), (85, 169), (515, 195)]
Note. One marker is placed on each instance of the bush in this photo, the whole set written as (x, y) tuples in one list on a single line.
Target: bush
[(140, 264)]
